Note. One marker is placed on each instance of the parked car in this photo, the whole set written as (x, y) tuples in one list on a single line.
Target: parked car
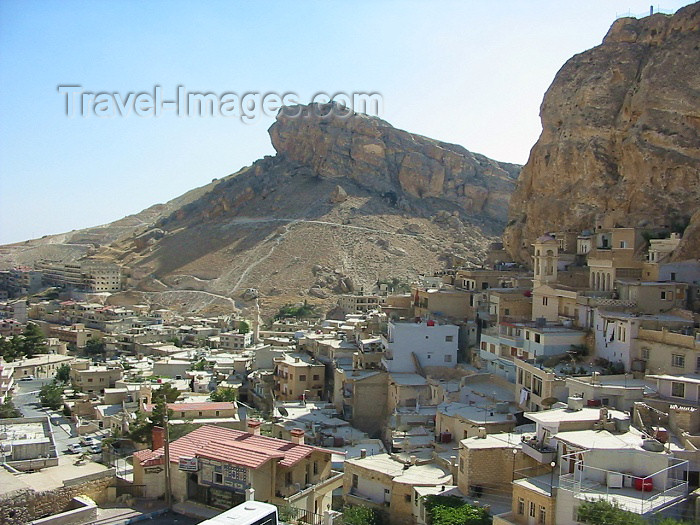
[(27, 378), (75, 448), (95, 449), (89, 441)]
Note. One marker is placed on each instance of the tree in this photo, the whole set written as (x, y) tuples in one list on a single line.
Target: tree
[(224, 393), (8, 409), (452, 510), (167, 392), (243, 327), (94, 347), (51, 395), (357, 515), (160, 409), (63, 373), (32, 340), (603, 512)]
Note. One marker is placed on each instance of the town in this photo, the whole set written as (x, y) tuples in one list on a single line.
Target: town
[(528, 395)]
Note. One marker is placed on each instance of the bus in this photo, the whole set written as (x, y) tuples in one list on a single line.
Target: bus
[(248, 513)]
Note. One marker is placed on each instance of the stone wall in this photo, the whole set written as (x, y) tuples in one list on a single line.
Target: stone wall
[(22, 506)]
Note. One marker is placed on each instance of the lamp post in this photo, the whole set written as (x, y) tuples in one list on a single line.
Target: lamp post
[(551, 478), (515, 453), (166, 449)]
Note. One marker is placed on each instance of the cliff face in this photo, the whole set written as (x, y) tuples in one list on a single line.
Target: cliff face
[(619, 144), (338, 144)]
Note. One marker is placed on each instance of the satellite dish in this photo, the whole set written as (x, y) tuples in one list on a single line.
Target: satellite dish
[(283, 411), (549, 401), (242, 412)]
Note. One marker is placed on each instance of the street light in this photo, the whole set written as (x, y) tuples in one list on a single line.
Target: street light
[(515, 453), (166, 450), (551, 478)]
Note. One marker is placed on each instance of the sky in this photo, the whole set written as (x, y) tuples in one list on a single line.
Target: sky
[(467, 72)]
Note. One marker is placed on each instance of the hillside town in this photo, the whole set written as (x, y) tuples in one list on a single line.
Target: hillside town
[(524, 392)]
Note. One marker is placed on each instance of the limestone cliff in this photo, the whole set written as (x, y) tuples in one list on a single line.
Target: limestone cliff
[(336, 143), (619, 144)]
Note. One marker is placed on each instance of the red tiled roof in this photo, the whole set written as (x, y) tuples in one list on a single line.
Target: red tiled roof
[(230, 446), (209, 405)]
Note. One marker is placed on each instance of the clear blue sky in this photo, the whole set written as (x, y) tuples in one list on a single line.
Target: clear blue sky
[(468, 72)]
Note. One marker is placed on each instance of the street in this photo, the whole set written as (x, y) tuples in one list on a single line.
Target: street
[(26, 399)]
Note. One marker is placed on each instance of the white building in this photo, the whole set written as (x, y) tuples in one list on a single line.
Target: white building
[(426, 343)]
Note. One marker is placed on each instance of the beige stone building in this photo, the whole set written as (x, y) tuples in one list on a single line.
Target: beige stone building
[(41, 365), (667, 352), (388, 484), (93, 379), (298, 376), (488, 464), (534, 384), (361, 396)]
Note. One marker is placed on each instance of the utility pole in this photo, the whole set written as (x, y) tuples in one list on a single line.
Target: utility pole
[(166, 446)]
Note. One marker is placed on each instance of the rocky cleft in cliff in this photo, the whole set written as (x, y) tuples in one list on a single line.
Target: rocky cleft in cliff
[(619, 144)]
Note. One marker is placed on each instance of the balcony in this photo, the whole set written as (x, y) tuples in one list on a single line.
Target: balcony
[(639, 494), (539, 451)]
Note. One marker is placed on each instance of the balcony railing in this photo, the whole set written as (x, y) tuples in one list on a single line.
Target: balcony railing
[(538, 451)]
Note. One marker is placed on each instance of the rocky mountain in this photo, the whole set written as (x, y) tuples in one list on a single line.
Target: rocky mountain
[(347, 200), (619, 144)]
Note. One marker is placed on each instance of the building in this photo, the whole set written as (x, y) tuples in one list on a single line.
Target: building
[(41, 365), (235, 340), (413, 345), (215, 465), (7, 382), (358, 304), (84, 276), (361, 396), (27, 443), (197, 411), (76, 334), (298, 376), (93, 379), (534, 384), (666, 351), (388, 484)]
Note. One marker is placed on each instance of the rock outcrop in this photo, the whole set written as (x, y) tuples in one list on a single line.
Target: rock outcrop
[(338, 144), (619, 144)]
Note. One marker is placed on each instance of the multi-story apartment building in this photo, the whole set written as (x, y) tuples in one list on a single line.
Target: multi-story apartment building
[(93, 379), (86, 276), (298, 376), (235, 340)]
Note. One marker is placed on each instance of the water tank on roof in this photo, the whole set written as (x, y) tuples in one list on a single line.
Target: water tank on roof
[(575, 403)]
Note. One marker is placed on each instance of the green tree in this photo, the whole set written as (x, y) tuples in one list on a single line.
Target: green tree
[(160, 409), (602, 512), (243, 327), (224, 393), (200, 365), (63, 373), (452, 510), (8, 409), (51, 395), (357, 515), (94, 347), (166, 391), (32, 340)]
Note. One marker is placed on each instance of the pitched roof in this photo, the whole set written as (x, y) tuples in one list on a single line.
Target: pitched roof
[(230, 446)]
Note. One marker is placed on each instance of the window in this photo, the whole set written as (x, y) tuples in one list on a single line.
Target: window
[(448, 359), (677, 389), (449, 338), (315, 467), (623, 244), (302, 377), (543, 515), (316, 377), (506, 311), (545, 301), (407, 498), (461, 464), (532, 509), (697, 364), (645, 354), (537, 338), (537, 386), (678, 360), (666, 296), (673, 276), (521, 506), (288, 479), (218, 478), (89, 379)]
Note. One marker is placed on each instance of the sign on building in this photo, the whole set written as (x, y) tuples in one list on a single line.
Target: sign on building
[(189, 464)]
